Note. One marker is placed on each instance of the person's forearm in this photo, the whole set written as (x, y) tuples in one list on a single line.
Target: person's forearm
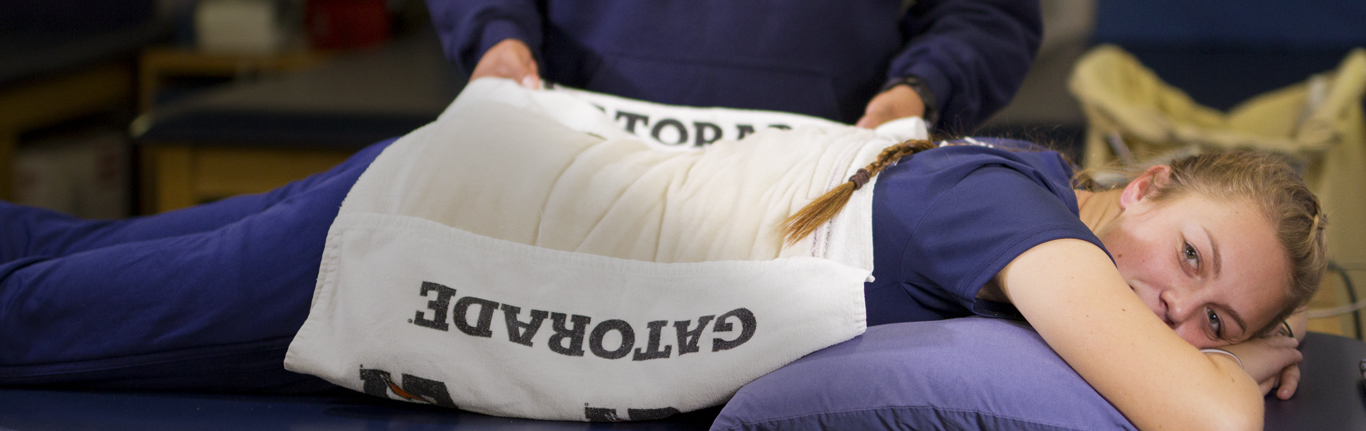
[(972, 54), (1091, 318), (468, 28)]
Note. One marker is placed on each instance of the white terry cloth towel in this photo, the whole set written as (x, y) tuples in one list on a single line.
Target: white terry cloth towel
[(525, 256)]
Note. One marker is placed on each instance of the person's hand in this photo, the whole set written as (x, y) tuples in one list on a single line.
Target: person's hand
[(1271, 361), (897, 102), (1289, 381), (510, 59)]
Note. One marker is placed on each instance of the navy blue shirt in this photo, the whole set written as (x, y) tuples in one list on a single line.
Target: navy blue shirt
[(947, 220), (825, 58)]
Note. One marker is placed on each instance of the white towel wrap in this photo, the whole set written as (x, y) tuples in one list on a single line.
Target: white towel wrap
[(653, 277)]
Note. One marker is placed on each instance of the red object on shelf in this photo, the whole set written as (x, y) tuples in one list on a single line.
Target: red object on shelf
[(346, 24)]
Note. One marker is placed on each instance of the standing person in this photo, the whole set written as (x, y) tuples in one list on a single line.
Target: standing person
[(864, 62)]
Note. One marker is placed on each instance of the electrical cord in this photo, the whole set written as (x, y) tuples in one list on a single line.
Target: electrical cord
[(1354, 306)]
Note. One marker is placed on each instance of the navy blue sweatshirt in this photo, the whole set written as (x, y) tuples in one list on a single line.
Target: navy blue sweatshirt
[(825, 58)]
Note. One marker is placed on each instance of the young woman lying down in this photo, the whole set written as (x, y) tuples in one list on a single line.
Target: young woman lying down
[(1169, 295)]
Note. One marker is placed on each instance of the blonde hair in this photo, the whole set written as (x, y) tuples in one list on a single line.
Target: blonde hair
[(826, 207), (1273, 186)]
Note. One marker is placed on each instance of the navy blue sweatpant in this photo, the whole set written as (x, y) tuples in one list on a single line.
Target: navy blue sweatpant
[(204, 298)]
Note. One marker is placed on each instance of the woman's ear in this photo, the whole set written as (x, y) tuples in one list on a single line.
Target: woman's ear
[(1143, 187)]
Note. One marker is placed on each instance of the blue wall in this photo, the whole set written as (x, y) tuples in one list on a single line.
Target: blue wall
[(1222, 52), (1278, 23)]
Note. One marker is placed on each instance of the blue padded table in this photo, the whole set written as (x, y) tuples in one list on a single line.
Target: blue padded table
[(26, 410), (1331, 397)]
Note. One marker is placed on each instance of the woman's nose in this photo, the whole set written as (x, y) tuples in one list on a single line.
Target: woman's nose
[(1177, 305)]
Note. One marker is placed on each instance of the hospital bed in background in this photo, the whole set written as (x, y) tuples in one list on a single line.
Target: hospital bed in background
[(59, 68), (256, 136)]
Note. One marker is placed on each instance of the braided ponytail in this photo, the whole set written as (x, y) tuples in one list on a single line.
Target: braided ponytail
[(826, 207)]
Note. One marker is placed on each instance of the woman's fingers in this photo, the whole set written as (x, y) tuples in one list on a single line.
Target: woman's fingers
[(1267, 385), (1290, 381), (510, 59)]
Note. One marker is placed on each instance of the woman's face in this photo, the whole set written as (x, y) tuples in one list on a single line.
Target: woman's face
[(1213, 270)]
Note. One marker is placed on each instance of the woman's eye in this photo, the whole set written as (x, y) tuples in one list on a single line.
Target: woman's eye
[(1191, 255), (1215, 323)]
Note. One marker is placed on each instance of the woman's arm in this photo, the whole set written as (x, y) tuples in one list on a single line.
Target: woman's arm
[(1071, 293), (1290, 377), (1287, 379)]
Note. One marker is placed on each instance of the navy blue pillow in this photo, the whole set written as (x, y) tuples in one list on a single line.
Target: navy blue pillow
[(969, 373)]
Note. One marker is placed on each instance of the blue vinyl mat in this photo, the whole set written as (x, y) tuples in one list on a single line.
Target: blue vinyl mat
[(1332, 396), (37, 410)]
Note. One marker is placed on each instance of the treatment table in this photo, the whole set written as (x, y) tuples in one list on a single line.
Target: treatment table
[(1330, 397)]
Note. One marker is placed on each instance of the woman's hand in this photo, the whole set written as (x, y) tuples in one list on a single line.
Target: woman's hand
[(1271, 361), (1289, 381), (510, 59), (1289, 377)]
